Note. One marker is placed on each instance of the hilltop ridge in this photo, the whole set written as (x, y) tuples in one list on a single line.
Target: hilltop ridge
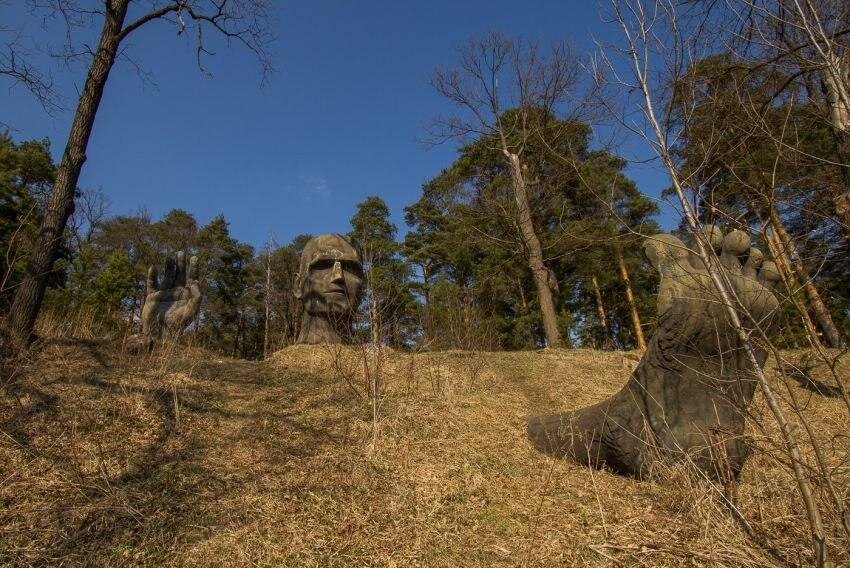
[(197, 459)]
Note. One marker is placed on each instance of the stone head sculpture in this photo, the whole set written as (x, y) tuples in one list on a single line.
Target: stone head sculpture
[(329, 284)]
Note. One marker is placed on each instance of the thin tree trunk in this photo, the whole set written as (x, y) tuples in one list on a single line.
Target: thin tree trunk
[(787, 274), (600, 308), (30, 292), (705, 254), (790, 282), (824, 319), (640, 341), (426, 282), (374, 319), (268, 305), (837, 92), (534, 253), (522, 300), (842, 201), (237, 335)]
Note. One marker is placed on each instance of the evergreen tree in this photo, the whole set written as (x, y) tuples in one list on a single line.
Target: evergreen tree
[(464, 232), (761, 159), (113, 285), (388, 296), (228, 309), (26, 174)]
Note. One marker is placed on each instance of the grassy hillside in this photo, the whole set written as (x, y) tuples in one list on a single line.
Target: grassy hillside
[(194, 459)]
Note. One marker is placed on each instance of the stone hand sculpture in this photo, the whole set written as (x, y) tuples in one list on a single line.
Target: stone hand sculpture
[(171, 304), (688, 396), (328, 283)]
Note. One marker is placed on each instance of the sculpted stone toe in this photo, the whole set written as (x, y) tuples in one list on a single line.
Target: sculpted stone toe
[(769, 275), (755, 258), (735, 245)]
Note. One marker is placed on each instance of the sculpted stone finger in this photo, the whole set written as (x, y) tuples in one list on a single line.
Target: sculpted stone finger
[(665, 251), (193, 305), (714, 237), (194, 291), (192, 274), (152, 282), (180, 271)]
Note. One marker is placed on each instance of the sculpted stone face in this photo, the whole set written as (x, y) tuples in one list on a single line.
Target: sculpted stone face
[(329, 284)]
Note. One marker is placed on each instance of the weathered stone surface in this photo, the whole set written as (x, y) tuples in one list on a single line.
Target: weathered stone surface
[(329, 284), (171, 304), (688, 396)]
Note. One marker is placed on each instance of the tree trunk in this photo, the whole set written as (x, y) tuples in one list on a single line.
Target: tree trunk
[(426, 286), (838, 92), (522, 300), (786, 273), (534, 253), (640, 341), (267, 304), (30, 292), (838, 100), (374, 319), (790, 282), (822, 315), (600, 308), (842, 201), (607, 342)]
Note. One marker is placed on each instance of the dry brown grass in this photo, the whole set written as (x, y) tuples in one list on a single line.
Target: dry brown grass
[(203, 460)]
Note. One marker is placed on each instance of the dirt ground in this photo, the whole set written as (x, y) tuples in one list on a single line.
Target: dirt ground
[(192, 459)]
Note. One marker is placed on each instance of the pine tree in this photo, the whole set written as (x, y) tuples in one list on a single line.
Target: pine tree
[(388, 297), (228, 308)]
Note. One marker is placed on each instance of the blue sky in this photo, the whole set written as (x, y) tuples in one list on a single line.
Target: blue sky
[(341, 119)]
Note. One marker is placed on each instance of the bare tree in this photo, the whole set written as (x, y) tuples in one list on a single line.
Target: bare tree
[(268, 290), (15, 65), (658, 49), (241, 21), (496, 75), (89, 213)]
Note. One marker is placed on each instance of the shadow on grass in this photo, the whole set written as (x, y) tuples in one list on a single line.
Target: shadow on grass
[(804, 378), (235, 427)]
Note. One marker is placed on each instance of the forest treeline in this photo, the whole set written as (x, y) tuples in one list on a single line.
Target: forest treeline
[(532, 236), (455, 280), (458, 278)]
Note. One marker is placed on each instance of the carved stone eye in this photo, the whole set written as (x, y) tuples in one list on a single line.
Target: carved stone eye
[(324, 264), (352, 267)]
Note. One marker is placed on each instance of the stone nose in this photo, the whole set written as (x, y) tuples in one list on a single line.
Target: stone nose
[(337, 273)]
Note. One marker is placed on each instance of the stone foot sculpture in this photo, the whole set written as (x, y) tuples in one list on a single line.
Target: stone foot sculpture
[(688, 396), (170, 305)]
